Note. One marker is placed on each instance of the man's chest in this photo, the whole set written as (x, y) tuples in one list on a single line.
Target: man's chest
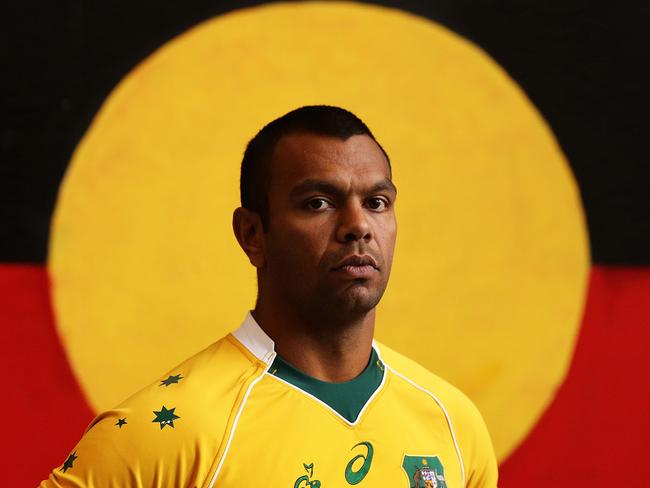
[(284, 438)]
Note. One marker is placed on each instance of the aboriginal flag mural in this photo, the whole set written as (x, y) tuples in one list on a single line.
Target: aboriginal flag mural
[(517, 140)]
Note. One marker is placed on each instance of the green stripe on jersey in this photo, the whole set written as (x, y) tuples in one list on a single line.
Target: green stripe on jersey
[(346, 398)]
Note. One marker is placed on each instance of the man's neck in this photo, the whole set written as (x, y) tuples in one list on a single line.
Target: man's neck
[(334, 352)]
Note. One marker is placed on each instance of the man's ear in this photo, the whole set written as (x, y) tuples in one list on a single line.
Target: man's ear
[(247, 226)]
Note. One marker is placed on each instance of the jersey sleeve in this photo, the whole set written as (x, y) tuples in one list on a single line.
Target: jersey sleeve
[(476, 447), (110, 453), (133, 447), (155, 438), (170, 433)]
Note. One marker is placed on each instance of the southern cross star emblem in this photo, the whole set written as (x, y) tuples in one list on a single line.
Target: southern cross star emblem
[(171, 380), (68, 462), (121, 422), (165, 417)]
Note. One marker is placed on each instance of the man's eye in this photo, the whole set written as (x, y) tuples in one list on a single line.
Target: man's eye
[(377, 203), (318, 204)]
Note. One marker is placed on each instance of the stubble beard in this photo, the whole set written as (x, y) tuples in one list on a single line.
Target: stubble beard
[(331, 309), (326, 304)]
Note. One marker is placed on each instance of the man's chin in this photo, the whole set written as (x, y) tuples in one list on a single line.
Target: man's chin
[(358, 299), (341, 303)]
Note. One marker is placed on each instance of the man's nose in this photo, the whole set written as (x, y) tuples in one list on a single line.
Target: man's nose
[(353, 224)]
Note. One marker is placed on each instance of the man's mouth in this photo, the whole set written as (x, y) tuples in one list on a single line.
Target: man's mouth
[(357, 271), (357, 266)]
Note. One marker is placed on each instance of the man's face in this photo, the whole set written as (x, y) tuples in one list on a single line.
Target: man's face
[(332, 228)]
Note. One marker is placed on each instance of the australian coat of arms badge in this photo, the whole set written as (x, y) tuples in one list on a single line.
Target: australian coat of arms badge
[(424, 471)]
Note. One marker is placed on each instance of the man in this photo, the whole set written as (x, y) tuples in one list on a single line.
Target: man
[(299, 396)]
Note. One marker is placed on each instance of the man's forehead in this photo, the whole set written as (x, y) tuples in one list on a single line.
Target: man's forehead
[(306, 154)]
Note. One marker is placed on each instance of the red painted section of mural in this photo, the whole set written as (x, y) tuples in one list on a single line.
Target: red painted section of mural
[(596, 431), (44, 411)]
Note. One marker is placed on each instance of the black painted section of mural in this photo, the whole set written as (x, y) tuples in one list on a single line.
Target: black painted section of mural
[(582, 64)]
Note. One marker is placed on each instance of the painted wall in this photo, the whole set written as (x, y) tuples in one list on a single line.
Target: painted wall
[(521, 268)]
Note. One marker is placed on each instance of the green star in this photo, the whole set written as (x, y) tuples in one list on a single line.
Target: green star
[(171, 380), (165, 417), (68, 462), (121, 422)]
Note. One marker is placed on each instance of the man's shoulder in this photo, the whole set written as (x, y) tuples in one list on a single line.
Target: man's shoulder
[(451, 399), (174, 426), (209, 379), (464, 418)]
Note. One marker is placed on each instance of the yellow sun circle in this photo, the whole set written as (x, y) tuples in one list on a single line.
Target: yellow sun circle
[(491, 260)]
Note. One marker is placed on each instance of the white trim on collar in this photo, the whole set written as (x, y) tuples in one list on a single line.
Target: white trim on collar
[(253, 338)]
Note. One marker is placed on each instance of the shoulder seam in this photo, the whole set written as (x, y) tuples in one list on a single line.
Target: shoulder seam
[(444, 411), (233, 428)]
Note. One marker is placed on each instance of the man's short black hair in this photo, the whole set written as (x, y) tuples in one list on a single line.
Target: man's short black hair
[(315, 119)]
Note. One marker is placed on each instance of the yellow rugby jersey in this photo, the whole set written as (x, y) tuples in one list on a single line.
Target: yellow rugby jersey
[(235, 415)]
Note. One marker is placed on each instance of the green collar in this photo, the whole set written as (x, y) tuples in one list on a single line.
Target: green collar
[(347, 398)]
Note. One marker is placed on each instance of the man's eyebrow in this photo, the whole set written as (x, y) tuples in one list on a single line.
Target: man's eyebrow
[(384, 185), (316, 186), (320, 186)]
